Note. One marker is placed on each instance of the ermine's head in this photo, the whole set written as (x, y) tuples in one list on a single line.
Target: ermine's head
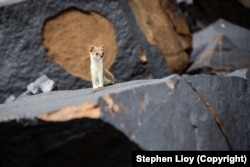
[(97, 52)]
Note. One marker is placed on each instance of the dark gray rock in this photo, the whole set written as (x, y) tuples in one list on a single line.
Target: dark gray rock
[(200, 112), (230, 100), (85, 141), (242, 73), (184, 123), (41, 85), (23, 56), (220, 57), (220, 49), (10, 99), (9, 2)]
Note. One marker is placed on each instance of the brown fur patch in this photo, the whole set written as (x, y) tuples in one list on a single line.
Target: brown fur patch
[(109, 75), (97, 51)]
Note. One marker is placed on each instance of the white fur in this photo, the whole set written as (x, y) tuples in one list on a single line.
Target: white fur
[(96, 68), (99, 75)]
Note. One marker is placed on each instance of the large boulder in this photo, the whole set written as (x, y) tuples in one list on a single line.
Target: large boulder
[(53, 37), (220, 48), (101, 127)]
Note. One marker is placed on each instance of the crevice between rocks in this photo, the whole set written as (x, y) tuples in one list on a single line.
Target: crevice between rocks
[(213, 113)]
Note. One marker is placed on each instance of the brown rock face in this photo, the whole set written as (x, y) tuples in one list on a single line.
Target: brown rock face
[(166, 29), (68, 36)]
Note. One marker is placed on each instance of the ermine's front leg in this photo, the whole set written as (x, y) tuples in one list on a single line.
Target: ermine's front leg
[(94, 83), (100, 79)]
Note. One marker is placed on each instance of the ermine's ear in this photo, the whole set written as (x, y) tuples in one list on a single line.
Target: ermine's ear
[(102, 46), (91, 49)]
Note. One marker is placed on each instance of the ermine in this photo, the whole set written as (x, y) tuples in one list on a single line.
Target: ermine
[(99, 75)]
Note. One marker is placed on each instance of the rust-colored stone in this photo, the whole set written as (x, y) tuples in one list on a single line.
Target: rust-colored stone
[(112, 107), (86, 110), (170, 84), (165, 28)]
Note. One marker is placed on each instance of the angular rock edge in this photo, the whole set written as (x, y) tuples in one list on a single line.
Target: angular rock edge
[(175, 113)]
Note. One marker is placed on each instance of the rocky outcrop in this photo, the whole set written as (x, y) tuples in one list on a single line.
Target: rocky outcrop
[(174, 113), (219, 49), (52, 37)]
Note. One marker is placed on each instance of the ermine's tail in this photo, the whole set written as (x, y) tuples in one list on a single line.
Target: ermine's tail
[(109, 76)]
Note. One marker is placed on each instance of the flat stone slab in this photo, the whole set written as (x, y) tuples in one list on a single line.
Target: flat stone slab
[(201, 112)]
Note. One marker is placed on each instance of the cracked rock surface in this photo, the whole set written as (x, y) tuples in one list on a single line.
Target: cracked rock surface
[(200, 112)]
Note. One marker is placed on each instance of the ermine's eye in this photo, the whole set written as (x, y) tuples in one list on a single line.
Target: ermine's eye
[(96, 54)]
